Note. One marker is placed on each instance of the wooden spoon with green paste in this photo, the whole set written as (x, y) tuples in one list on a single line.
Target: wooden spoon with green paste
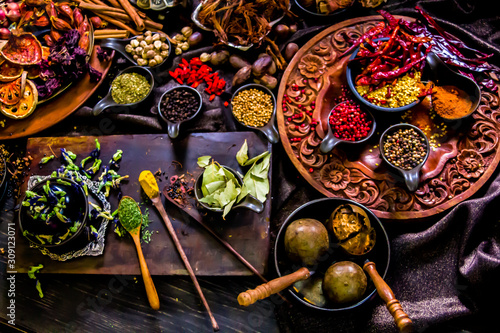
[(130, 217)]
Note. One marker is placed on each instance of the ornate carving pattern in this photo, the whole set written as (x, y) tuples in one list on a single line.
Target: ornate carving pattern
[(305, 99)]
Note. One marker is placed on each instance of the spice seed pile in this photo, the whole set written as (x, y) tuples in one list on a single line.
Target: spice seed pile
[(349, 122), (179, 104), (253, 107), (405, 148), (129, 88)]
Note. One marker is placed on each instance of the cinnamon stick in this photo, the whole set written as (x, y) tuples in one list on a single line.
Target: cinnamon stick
[(118, 23), (110, 33), (133, 14)]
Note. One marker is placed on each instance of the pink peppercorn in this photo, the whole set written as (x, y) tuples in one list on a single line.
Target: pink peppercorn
[(349, 122)]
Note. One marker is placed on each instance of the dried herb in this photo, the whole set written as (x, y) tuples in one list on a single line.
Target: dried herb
[(241, 22)]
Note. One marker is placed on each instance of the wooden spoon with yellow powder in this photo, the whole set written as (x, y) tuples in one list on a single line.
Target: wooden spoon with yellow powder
[(130, 217), (150, 187)]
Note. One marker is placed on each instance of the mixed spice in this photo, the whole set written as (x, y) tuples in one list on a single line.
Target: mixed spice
[(405, 148), (130, 88), (450, 102)]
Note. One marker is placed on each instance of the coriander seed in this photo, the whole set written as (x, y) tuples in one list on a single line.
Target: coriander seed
[(253, 107)]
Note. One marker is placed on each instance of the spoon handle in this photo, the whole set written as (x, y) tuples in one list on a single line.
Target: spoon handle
[(173, 235), (146, 276), (272, 287), (403, 322)]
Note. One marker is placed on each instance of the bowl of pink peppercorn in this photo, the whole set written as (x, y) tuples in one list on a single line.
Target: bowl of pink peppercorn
[(348, 123)]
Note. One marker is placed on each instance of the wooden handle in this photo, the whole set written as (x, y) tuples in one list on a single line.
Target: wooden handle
[(173, 235), (272, 287), (146, 276), (403, 322)]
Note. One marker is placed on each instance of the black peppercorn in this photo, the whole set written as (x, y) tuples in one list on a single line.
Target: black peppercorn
[(405, 148), (179, 105)]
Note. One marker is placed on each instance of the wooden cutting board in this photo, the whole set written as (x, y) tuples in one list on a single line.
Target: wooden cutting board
[(246, 231)]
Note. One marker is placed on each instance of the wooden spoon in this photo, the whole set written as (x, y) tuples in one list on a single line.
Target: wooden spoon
[(146, 276), (150, 187)]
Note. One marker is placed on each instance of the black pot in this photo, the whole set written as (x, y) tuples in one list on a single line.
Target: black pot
[(321, 209)]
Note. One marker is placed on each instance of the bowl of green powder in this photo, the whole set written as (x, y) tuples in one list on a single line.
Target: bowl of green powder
[(129, 88)]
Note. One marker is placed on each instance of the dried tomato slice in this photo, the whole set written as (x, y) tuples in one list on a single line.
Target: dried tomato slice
[(22, 49), (25, 106), (10, 92)]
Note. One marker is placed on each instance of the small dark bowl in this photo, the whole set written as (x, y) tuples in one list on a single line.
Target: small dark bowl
[(411, 177), (352, 71), (321, 209), (173, 128), (108, 101), (77, 210), (330, 141), (269, 130), (249, 202), (442, 75)]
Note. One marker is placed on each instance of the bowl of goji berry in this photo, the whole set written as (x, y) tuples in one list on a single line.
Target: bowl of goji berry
[(387, 77), (348, 123)]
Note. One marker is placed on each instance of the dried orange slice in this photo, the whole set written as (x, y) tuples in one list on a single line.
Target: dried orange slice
[(9, 72), (10, 92), (26, 104), (22, 49)]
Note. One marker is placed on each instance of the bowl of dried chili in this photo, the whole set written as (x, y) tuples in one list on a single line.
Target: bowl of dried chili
[(386, 76)]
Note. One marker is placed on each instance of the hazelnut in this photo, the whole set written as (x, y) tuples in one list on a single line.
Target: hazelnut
[(156, 37), (164, 46), (205, 57), (158, 59), (129, 48), (164, 54), (178, 51), (142, 62), (184, 46), (134, 43), (187, 31), (148, 33), (157, 44), (138, 50), (143, 43), (135, 56), (148, 47), (152, 63), (148, 39), (139, 38)]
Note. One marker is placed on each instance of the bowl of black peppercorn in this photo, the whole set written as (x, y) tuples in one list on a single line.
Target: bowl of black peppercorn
[(177, 106), (405, 148)]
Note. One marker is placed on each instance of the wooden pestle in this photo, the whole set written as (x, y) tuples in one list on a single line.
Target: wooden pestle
[(403, 322), (272, 287)]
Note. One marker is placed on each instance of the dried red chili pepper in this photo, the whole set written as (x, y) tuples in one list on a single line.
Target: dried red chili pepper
[(373, 32), (397, 72)]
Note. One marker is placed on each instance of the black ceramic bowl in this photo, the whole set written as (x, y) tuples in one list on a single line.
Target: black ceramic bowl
[(353, 69), (173, 128), (330, 141), (108, 100), (76, 210), (411, 177), (321, 209), (249, 202), (269, 130)]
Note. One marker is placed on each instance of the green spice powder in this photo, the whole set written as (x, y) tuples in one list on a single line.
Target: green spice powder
[(129, 88), (129, 214)]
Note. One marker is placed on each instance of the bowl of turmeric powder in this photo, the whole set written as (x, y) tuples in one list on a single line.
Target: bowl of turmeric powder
[(454, 96)]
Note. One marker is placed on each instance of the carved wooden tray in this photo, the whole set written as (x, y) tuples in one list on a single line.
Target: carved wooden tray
[(58, 108), (463, 156)]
